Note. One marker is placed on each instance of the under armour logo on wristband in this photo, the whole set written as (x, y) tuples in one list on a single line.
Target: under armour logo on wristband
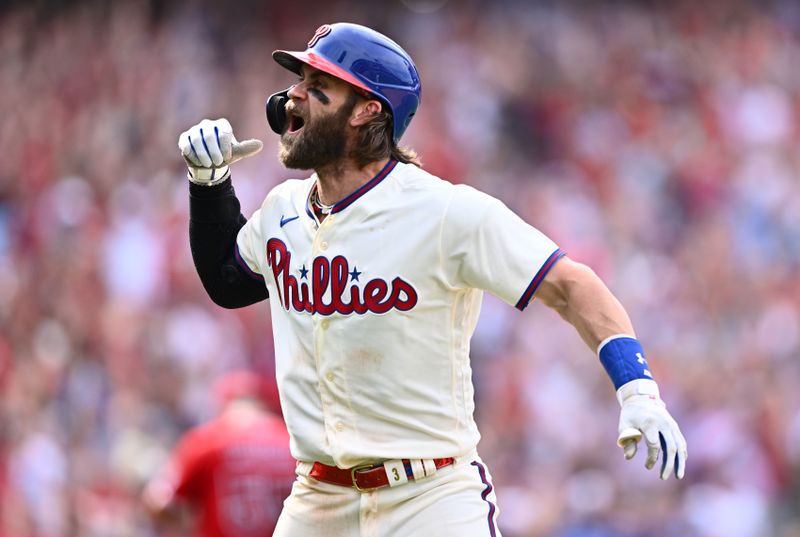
[(641, 360)]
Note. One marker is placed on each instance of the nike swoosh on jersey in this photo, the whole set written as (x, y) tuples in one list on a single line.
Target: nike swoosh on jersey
[(285, 220)]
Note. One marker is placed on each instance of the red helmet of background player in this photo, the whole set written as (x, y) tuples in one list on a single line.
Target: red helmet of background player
[(241, 384)]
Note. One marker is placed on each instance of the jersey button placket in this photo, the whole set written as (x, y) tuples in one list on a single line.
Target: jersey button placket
[(331, 413), (319, 243), (324, 384)]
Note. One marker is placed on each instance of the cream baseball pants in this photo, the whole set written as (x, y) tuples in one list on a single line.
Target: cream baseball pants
[(459, 501)]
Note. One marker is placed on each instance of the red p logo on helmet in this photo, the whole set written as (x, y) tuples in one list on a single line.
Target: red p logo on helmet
[(322, 31)]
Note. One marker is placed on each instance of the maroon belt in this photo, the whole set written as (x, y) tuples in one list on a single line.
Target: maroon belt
[(364, 478)]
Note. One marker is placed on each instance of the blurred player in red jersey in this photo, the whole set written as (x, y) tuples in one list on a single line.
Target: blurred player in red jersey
[(235, 471)]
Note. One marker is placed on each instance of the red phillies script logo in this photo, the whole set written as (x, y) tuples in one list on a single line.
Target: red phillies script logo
[(322, 31), (333, 274)]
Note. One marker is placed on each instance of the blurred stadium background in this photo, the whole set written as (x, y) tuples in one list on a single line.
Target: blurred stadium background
[(656, 141)]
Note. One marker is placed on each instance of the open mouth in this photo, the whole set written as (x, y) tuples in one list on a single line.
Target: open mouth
[(296, 123)]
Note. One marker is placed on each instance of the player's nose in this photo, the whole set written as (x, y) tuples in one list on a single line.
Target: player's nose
[(298, 91)]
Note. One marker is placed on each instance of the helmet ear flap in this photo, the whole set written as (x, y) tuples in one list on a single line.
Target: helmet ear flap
[(276, 111)]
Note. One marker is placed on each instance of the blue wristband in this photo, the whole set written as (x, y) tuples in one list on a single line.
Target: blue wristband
[(623, 358)]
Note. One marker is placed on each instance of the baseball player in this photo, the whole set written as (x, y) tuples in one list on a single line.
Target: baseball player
[(234, 471), (376, 270)]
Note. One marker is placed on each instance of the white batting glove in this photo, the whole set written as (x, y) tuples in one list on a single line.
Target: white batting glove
[(644, 413), (209, 148)]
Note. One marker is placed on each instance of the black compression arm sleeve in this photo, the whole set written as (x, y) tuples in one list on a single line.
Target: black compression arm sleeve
[(214, 222)]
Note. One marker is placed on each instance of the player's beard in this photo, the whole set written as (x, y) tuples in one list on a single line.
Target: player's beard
[(321, 143)]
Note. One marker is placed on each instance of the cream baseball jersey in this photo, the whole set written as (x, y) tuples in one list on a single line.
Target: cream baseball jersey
[(373, 309)]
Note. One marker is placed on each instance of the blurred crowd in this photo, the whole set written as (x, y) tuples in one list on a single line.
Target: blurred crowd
[(657, 142)]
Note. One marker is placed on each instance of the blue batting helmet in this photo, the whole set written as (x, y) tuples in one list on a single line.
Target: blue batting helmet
[(366, 59)]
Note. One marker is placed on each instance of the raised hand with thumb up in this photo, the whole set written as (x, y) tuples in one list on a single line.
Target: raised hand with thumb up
[(209, 148)]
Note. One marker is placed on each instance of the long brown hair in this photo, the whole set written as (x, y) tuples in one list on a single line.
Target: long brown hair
[(374, 142)]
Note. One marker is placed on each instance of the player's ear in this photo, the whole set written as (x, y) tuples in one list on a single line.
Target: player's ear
[(364, 111)]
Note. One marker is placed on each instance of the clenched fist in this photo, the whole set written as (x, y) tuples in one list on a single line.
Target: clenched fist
[(209, 148)]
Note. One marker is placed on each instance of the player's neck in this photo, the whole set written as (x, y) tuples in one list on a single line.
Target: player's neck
[(336, 182)]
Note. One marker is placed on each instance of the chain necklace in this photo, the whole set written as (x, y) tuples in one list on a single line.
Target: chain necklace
[(324, 209)]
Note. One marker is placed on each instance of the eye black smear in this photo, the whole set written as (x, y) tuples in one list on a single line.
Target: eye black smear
[(321, 97)]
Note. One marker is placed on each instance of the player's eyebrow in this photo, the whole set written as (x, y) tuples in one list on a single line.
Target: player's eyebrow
[(315, 74)]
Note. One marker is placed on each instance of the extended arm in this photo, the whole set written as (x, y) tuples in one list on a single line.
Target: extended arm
[(582, 299)]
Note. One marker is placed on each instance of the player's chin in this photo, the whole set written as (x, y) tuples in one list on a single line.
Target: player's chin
[(291, 156), (289, 143), (285, 153)]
